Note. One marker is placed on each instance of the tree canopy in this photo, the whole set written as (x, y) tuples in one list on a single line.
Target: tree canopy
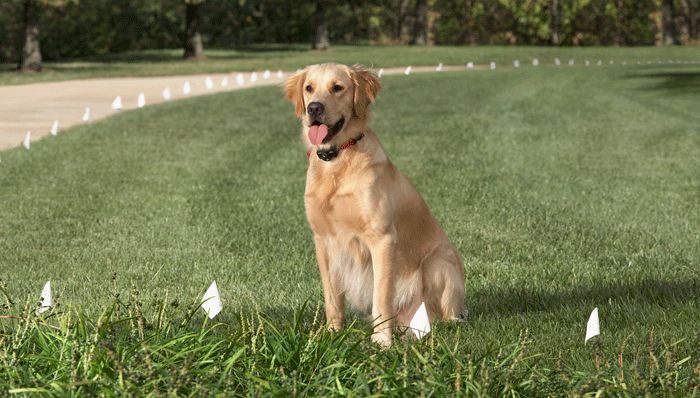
[(73, 28)]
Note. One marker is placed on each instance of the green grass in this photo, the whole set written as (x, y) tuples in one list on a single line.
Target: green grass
[(292, 57), (563, 188)]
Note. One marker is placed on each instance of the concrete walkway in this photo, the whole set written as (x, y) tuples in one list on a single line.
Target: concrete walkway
[(34, 107)]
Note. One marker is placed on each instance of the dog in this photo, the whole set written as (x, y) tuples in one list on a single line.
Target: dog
[(377, 243)]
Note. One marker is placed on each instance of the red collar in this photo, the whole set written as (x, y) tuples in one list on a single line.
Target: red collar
[(346, 146)]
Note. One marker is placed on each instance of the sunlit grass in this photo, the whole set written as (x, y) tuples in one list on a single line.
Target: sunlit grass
[(564, 189)]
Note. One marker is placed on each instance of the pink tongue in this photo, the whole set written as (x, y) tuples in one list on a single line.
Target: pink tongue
[(317, 134)]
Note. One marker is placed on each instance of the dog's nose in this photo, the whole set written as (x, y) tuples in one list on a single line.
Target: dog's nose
[(315, 109)]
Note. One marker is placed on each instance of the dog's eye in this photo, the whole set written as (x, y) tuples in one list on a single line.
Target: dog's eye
[(309, 89), (337, 88)]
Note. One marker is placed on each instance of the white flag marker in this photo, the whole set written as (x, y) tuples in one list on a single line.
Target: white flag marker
[(141, 101), (600, 62), (408, 70), (571, 62), (166, 93), (439, 67), (280, 74), (46, 298), (470, 65), (266, 75), (27, 140), (516, 63), (492, 65), (380, 72), (86, 116), (593, 327), (535, 62), (54, 129), (253, 77), (420, 324), (209, 83), (211, 302), (557, 62), (224, 82), (186, 88), (117, 104), (239, 79)]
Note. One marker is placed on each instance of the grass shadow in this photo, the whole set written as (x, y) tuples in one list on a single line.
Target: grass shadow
[(676, 82), (503, 303)]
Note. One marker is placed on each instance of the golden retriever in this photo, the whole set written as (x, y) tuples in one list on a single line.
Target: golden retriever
[(376, 240)]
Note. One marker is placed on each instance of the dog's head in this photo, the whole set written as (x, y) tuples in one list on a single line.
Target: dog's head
[(331, 100)]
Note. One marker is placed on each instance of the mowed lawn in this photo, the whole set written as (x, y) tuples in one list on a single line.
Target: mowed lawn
[(563, 188)]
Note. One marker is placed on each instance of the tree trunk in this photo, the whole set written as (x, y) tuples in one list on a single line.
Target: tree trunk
[(321, 41), (30, 61), (420, 27), (193, 42), (669, 34), (556, 40)]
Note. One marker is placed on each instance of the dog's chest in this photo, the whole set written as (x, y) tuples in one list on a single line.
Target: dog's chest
[(334, 207)]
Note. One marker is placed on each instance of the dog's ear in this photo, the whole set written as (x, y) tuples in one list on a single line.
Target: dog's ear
[(366, 87), (294, 91)]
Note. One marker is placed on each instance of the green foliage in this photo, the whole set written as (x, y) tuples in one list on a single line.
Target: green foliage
[(581, 22), (70, 29), (127, 352)]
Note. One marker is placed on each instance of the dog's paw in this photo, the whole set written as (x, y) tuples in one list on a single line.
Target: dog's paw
[(383, 338)]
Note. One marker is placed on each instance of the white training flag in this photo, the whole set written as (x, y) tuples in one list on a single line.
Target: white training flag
[(588, 63), (600, 62), (516, 63), (557, 62), (253, 77), (266, 74), (209, 83), (86, 116), (54, 129), (224, 82), (408, 70), (166, 93), (141, 100), (420, 324), (535, 62), (27, 140), (439, 67), (380, 72), (186, 88), (571, 62), (46, 298), (117, 104), (239, 79), (492, 65), (470, 65), (593, 327), (280, 74), (211, 302)]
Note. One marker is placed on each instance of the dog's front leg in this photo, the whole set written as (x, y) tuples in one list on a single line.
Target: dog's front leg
[(383, 257), (333, 298)]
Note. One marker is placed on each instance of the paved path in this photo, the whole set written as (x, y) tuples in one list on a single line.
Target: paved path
[(34, 107)]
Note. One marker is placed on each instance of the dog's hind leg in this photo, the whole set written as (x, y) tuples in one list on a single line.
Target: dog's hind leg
[(443, 285)]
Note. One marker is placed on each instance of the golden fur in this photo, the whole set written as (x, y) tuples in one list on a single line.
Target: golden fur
[(377, 243)]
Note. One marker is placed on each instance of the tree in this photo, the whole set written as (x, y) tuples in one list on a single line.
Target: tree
[(420, 26), (30, 59), (321, 40), (556, 18), (193, 38), (669, 32)]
